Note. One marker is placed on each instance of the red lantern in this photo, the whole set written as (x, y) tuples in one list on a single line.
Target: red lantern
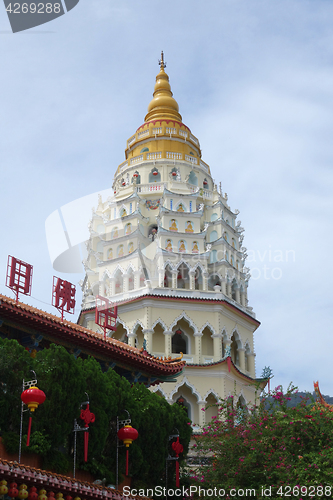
[(155, 172), (32, 397), (13, 491), (127, 435), (174, 174), (33, 493), (205, 183), (135, 174), (124, 183)]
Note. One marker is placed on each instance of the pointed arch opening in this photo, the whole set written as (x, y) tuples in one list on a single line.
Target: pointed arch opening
[(183, 279), (212, 409), (118, 281), (207, 343)]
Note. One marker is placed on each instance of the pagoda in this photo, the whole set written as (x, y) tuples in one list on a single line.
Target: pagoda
[(167, 249)]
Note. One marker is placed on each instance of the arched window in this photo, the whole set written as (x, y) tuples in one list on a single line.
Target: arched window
[(101, 229), (99, 246), (154, 175), (128, 228), (115, 232), (136, 179), (130, 247), (192, 178), (205, 184), (226, 255), (234, 349), (214, 217), (198, 279), (119, 282), (213, 236), (195, 247), (173, 225), (179, 342), (225, 236), (233, 289), (233, 243), (213, 281), (183, 277), (123, 212), (110, 254), (232, 260), (213, 256), (168, 277), (181, 401)]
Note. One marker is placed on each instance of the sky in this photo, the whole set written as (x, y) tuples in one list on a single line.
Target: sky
[(254, 82)]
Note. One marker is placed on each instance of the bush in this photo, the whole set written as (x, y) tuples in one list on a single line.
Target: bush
[(273, 446)]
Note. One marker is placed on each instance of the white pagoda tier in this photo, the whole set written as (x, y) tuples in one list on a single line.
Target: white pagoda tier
[(167, 249)]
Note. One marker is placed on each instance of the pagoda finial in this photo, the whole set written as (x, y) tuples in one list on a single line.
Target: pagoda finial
[(161, 61)]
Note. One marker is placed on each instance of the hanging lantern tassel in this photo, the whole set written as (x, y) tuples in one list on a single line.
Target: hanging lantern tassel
[(127, 435), (177, 448), (88, 418), (32, 397)]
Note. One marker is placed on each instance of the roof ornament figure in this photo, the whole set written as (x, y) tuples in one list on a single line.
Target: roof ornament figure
[(161, 61)]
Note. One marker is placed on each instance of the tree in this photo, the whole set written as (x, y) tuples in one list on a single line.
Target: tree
[(65, 381), (274, 446)]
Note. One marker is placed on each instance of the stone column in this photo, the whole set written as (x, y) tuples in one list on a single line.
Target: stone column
[(174, 278), (202, 414), (205, 281), (192, 280), (224, 287), (241, 354), (167, 339), (197, 357), (112, 287), (161, 278), (229, 293), (242, 299), (125, 282), (137, 275), (148, 335), (238, 296), (251, 362), (217, 345), (131, 339)]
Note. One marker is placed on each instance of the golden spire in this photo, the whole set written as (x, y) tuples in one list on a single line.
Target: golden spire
[(163, 105)]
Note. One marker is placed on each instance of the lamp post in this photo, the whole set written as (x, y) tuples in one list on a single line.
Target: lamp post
[(32, 397), (88, 418), (127, 435)]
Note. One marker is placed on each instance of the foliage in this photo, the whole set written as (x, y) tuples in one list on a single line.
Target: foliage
[(65, 380), (274, 446)]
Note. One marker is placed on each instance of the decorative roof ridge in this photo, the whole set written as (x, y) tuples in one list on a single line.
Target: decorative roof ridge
[(61, 481), (80, 329), (167, 120), (222, 361), (167, 191)]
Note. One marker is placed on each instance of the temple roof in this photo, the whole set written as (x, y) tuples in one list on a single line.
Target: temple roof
[(25, 319), (163, 105), (20, 473)]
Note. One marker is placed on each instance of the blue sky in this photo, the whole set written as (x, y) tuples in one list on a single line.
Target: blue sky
[(254, 82)]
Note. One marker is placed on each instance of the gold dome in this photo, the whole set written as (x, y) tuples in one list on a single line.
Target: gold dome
[(163, 105)]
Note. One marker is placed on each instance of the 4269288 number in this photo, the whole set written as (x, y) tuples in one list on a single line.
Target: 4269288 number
[(34, 8)]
